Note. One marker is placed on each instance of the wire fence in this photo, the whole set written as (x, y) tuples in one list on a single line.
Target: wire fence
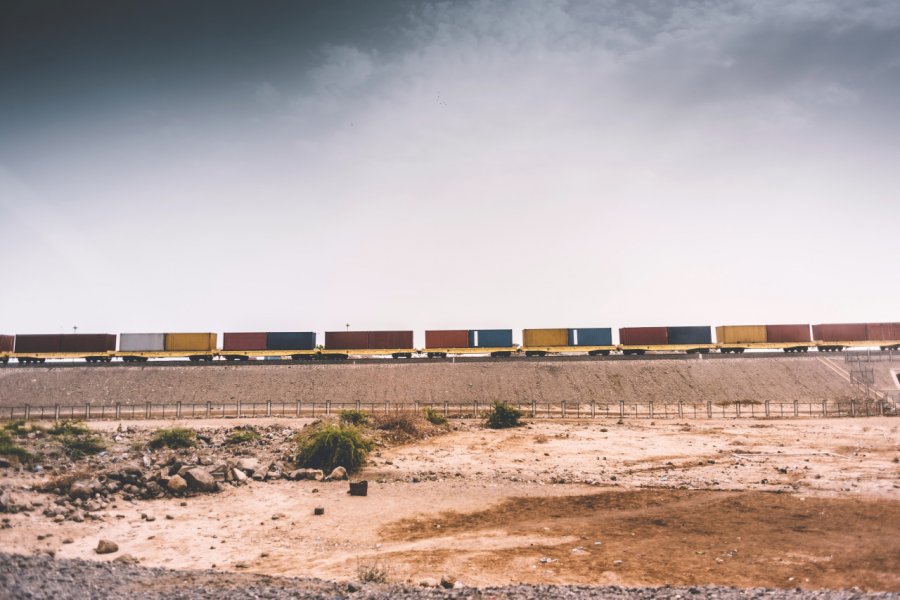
[(886, 406)]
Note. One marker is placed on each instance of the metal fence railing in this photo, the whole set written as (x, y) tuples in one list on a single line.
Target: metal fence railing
[(884, 406)]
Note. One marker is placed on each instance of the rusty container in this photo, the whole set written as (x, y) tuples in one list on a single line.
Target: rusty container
[(190, 342), (359, 488), (34, 343), (883, 332), (390, 340), (244, 341), (741, 334), (346, 340), (787, 334), (87, 342), (447, 338), (839, 332), (545, 337), (6, 343), (643, 336)]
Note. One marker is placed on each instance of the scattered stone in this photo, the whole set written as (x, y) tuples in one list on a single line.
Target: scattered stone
[(176, 484), (338, 474), (106, 547), (429, 582), (126, 559), (81, 489), (200, 480), (301, 474), (319, 510), (68, 540), (448, 581), (277, 516), (359, 488), (248, 465)]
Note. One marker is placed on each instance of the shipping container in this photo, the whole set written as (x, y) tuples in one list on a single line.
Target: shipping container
[(142, 342), (190, 342), (839, 332), (291, 340), (545, 337), (883, 332), (490, 338), (244, 341), (643, 336), (695, 334), (590, 336), (346, 340), (741, 334), (87, 342), (787, 334), (447, 338), (6, 343), (34, 343), (388, 340)]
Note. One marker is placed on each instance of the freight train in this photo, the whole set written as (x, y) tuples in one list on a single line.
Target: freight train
[(140, 347)]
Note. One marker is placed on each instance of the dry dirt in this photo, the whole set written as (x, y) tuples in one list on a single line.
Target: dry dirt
[(811, 503)]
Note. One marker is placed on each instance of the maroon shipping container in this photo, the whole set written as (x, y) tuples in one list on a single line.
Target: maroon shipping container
[(786, 334), (447, 338), (883, 332), (346, 340), (87, 342), (245, 341), (6, 343), (643, 336), (50, 342), (379, 340), (839, 332)]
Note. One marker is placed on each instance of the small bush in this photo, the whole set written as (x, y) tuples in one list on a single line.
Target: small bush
[(354, 417), (20, 428), (242, 436), (434, 417), (404, 422), (10, 450), (333, 446), (503, 415), (69, 427), (174, 438), (79, 446), (371, 571)]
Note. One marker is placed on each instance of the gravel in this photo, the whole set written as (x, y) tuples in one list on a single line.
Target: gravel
[(40, 577)]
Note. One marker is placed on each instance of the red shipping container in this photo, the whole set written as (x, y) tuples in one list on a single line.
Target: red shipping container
[(447, 338), (346, 340), (6, 343), (30, 343), (883, 332), (786, 334), (245, 341), (87, 342), (390, 340), (839, 332), (643, 336)]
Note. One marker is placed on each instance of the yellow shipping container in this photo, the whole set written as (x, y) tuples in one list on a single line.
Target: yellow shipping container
[(190, 342), (545, 337), (741, 334)]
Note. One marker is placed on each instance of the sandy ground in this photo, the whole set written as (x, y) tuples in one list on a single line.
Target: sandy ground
[(811, 503)]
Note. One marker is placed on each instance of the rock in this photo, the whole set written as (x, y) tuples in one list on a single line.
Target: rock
[(68, 541), (9, 503), (81, 489), (319, 510), (277, 516), (429, 582), (239, 475), (126, 472), (200, 480), (78, 516), (126, 559), (106, 547), (248, 465), (92, 506), (338, 474), (312, 474), (58, 519), (153, 489), (176, 484), (448, 581)]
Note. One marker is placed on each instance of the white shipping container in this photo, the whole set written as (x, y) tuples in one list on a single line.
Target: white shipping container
[(142, 342)]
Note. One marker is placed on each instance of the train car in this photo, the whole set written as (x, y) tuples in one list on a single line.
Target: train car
[(496, 342), (593, 340), (341, 344), (7, 344), (268, 344), (139, 347), (834, 337), (737, 338), (37, 348), (638, 340), (887, 335)]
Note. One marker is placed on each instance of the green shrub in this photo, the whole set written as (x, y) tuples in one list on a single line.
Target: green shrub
[(503, 415), (173, 437), (354, 417), (10, 450), (69, 427), (333, 446), (242, 436), (79, 446), (21, 428), (434, 417)]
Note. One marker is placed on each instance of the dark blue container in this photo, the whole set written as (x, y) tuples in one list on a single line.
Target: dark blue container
[(690, 335), (291, 340), (591, 336), (491, 338)]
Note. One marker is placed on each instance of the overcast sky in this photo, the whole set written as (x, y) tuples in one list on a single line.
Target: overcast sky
[(242, 166)]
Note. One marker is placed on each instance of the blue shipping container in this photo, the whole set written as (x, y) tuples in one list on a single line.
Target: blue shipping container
[(591, 336), (490, 338), (291, 340), (690, 335)]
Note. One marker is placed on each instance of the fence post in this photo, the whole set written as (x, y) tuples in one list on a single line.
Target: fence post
[(650, 408), (208, 408), (56, 413), (387, 409), (709, 409), (593, 409), (269, 408), (416, 406), (87, 411), (476, 409), (796, 408), (563, 409), (178, 409), (239, 407), (298, 408), (446, 408), (680, 409), (737, 406), (358, 405), (767, 408), (824, 408), (328, 407), (621, 409), (147, 411), (533, 408), (118, 410)]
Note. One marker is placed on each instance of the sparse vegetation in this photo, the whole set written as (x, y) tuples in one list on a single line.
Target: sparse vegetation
[(173, 437), (434, 417), (403, 422), (21, 428), (371, 571), (330, 446), (69, 427), (79, 446), (354, 417), (503, 416), (10, 450), (242, 436)]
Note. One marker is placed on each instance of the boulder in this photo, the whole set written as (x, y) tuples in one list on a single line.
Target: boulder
[(176, 484), (81, 489), (106, 547), (126, 559), (200, 480), (313, 474), (238, 475), (338, 474), (126, 472), (248, 465)]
